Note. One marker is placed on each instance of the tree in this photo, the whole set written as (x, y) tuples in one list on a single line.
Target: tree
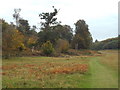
[(63, 32), (13, 40), (78, 42), (96, 41), (29, 34), (47, 48), (46, 33), (82, 38), (24, 26), (44, 36), (16, 16), (62, 45), (49, 18), (55, 33), (33, 31), (31, 41), (111, 43)]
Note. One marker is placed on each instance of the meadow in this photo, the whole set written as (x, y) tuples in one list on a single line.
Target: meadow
[(86, 71)]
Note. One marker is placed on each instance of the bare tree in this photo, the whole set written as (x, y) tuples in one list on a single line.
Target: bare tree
[(16, 16)]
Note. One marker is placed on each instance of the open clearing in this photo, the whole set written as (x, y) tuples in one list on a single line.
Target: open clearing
[(62, 72)]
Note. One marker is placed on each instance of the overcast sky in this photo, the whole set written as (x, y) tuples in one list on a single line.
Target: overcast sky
[(100, 15)]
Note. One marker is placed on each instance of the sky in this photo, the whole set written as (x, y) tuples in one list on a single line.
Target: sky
[(100, 15)]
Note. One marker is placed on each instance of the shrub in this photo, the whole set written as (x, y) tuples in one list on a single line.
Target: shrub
[(73, 52), (62, 46), (47, 48)]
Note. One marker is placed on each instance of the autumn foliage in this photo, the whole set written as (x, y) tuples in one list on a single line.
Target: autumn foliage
[(62, 45), (47, 48)]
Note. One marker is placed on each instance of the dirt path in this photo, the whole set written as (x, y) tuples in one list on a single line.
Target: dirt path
[(101, 76)]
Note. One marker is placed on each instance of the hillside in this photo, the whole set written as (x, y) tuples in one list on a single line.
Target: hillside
[(111, 43)]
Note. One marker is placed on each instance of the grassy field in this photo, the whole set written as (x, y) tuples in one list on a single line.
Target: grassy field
[(98, 71)]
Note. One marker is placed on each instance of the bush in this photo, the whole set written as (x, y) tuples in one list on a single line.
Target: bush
[(73, 52), (62, 46), (47, 48)]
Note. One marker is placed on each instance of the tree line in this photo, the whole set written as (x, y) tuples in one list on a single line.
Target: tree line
[(53, 37), (111, 43)]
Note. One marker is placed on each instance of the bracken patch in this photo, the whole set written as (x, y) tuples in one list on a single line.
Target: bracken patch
[(81, 68), (9, 67)]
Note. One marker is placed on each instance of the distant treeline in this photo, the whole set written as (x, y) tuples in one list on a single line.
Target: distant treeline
[(53, 38), (111, 43)]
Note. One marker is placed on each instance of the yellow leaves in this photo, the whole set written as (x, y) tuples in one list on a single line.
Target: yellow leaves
[(17, 39), (17, 35), (16, 31), (12, 40), (22, 45), (62, 45), (32, 40)]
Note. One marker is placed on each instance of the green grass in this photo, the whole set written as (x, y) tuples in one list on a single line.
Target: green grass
[(102, 76), (35, 72)]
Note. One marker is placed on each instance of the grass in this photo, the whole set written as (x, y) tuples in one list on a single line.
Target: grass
[(61, 72), (102, 76), (110, 58)]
